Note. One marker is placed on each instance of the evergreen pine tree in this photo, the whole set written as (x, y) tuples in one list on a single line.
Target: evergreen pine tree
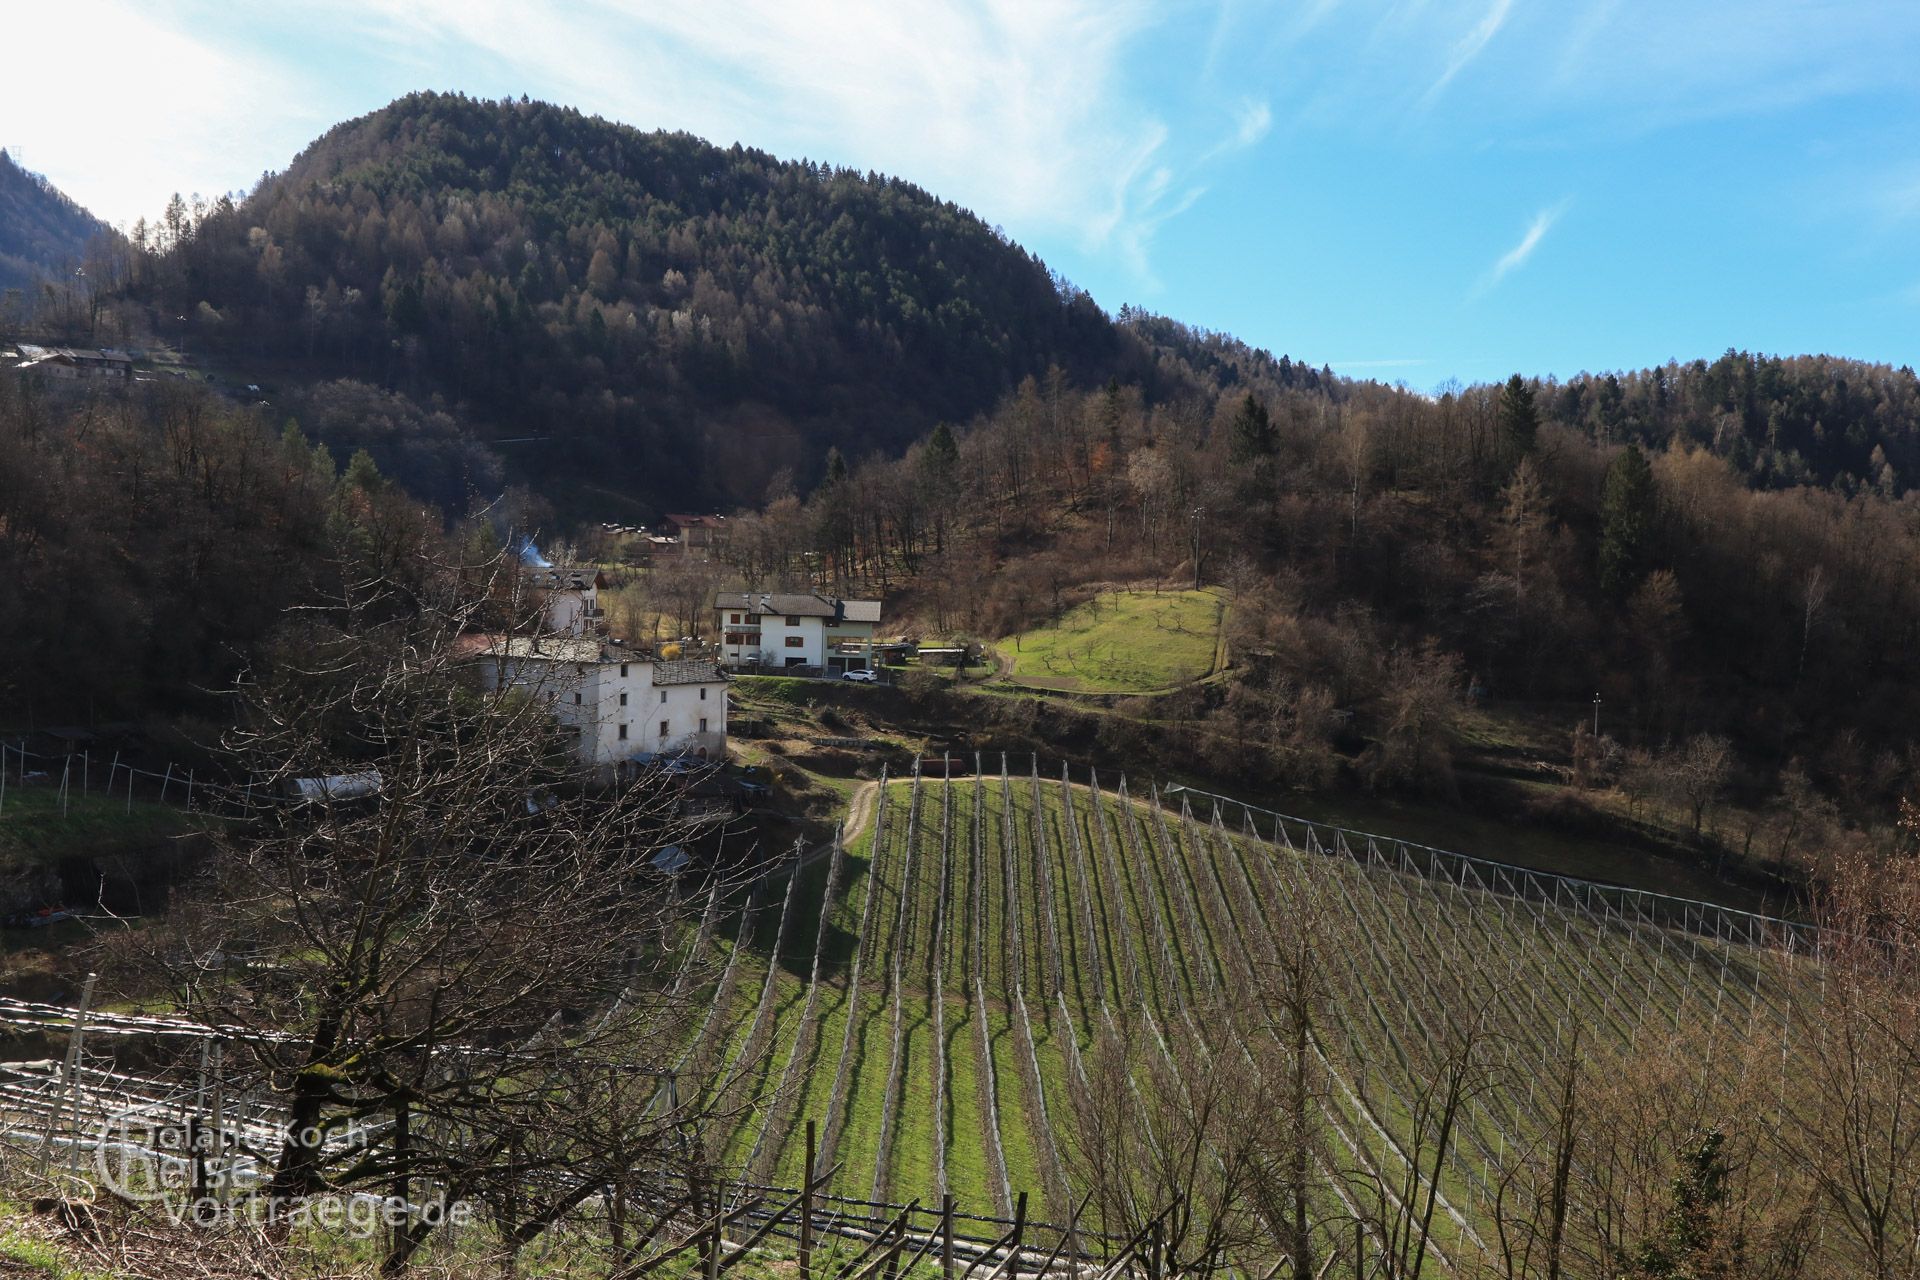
[(1626, 522), (1519, 416), (941, 455), (1253, 436)]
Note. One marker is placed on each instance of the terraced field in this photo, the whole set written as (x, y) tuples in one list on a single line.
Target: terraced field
[(1123, 642), (931, 995)]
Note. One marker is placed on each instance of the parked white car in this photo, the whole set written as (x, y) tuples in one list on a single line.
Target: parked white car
[(864, 677)]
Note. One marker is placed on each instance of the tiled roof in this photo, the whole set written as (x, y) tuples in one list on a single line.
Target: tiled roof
[(798, 605), (565, 579), (688, 671), (581, 649)]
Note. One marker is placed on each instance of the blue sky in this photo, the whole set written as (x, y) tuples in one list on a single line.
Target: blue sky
[(1412, 190)]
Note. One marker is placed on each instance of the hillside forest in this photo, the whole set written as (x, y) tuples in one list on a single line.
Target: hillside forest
[(492, 306), (1395, 560)]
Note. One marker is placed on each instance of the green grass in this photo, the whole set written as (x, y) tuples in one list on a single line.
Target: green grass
[(1122, 642), (34, 831), (23, 1255), (1415, 955)]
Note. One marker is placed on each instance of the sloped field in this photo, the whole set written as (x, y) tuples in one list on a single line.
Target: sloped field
[(936, 991)]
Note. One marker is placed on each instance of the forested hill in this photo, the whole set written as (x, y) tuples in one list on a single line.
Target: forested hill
[(681, 319), (40, 229), (654, 321), (1781, 421)]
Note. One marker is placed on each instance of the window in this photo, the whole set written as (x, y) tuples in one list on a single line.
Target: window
[(793, 622), (623, 699), (703, 724), (703, 693), (663, 728), (663, 695), (576, 699), (623, 674), (734, 618), (623, 733), (796, 642)]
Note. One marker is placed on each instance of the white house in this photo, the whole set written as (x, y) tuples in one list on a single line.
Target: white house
[(569, 599), (75, 363), (614, 702), (781, 629)]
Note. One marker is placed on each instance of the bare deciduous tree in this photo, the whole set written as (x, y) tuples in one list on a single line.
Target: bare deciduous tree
[(463, 982)]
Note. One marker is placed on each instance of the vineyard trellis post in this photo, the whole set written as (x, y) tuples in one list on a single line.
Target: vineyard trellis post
[(946, 1236), (806, 1210), (69, 1082), (855, 1270)]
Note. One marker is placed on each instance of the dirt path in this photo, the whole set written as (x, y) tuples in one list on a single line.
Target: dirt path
[(859, 811)]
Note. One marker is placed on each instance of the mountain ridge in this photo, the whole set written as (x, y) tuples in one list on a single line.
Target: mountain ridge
[(41, 228), (679, 318)]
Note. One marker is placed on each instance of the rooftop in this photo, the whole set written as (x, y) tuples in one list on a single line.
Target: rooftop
[(566, 579), (688, 671), (586, 650), (799, 605), (33, 351), (553, 648)]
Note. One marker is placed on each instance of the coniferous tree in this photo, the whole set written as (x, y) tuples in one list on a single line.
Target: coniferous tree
[(1626, 522), (836, 468), (1519, 416), (1253, 434), (942, 454)]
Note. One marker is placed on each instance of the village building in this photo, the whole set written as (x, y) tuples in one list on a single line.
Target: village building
[(698, 536), (75, 364), (569, 599), (618, 707), (805, 630)]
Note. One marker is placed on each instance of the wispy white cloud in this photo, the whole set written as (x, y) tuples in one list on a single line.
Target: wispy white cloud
[(1515, 258), (1612, 68), (1469, 48), (1026, 111), (1253, 119)]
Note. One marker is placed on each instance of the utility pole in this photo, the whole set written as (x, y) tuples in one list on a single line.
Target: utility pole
[(1596, 716)]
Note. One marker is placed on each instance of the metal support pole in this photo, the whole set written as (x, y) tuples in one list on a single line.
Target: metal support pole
[(70, 1082), (1019, 1230), (946, 1237), (806, 1211)]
